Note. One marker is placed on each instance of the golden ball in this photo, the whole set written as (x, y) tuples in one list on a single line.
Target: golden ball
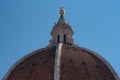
[(62, 11)]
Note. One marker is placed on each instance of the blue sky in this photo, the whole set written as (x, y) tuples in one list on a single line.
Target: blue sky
[(25, 26)]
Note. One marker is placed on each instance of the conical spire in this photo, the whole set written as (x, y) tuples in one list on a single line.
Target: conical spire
[(61, 19)]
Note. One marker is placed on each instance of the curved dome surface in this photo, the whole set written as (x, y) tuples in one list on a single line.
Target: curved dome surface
[(76, 64)]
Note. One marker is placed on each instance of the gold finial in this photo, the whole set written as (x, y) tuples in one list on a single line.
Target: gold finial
[(62, 11)]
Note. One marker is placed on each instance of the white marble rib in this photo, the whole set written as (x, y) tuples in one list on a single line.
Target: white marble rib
[(57, 62)]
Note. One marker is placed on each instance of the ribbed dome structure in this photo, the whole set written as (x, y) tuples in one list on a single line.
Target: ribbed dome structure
[(76, 63), (62, 60)]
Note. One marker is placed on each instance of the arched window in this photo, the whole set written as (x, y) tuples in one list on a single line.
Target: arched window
[(58, 38), (64, 38)]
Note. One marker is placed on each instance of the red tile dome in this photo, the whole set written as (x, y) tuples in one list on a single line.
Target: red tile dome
[(76, 64)]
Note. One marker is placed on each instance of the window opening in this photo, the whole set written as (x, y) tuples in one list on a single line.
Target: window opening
[(65, 38), (58, 38)]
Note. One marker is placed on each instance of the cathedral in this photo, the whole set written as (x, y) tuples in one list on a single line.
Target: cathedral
[(62, 59)]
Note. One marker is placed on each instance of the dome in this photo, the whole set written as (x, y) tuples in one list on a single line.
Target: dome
[(75, 63), (62, 60)]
